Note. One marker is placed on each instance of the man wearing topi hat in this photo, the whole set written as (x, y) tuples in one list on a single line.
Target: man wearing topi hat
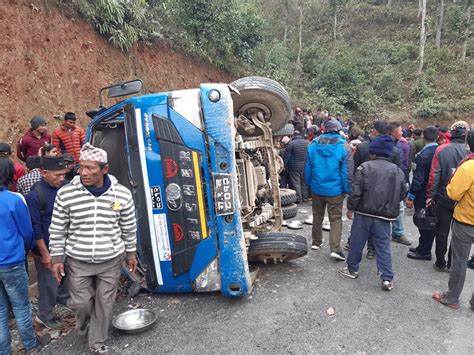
[(94, 228)]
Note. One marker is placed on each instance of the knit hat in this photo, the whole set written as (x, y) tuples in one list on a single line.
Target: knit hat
[(459, 124), (89, 152), (33, 162), (381, 146), (5, 149), (37, 121), (459, 129), (52, 163), (332, 125)]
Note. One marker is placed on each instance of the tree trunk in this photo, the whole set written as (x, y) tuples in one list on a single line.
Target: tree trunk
[(422, 38), (334, 32), (420, 7), (287, 19), (467, 31), (300, 37), (439, 24)]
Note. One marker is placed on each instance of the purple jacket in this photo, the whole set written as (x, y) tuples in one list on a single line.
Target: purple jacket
[(405, 165)]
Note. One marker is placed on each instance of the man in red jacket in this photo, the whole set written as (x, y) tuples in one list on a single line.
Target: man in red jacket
[(69, 138), (36, 137)]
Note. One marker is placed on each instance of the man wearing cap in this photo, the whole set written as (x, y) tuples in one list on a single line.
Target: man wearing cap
[(445, 161), (69, 138), (94, 228), (328, 172), (40, 202), (32, 177), (33, 139), (6, 152), (373, 206)]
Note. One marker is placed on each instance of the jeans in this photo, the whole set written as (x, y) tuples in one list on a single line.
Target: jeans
[(14, 288), (334, 206), (379, 230), (461, 241), (398, 230)]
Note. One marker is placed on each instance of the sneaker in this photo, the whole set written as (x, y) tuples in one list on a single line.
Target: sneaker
[(346, 246), (326, 225), (370, 254), (345, 272), (338, 255), (470, 263), (315, 247), (402, 240), (102, 349), (387, 285), (52, 324)]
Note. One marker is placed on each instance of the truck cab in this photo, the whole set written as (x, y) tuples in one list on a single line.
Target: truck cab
[(204, 176)]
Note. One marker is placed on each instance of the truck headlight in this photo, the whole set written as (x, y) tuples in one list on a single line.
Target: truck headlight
[(214, 95), (210, 279)]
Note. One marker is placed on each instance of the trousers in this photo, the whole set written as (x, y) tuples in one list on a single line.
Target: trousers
[(296, 182), (378, 229), (93, 288), (334, 207), (461, 241), (49, 292), (14, 289)]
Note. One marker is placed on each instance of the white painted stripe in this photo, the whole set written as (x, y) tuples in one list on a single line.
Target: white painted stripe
[(146, 183)]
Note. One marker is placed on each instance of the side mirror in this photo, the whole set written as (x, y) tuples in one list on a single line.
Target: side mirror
[(123, 89)]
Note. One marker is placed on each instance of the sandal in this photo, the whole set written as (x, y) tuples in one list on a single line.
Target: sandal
[(441, 298)]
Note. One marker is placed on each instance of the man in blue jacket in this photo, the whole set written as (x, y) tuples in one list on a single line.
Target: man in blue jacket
[(416, 197), (328, 171), (41, 203), (16, 235)]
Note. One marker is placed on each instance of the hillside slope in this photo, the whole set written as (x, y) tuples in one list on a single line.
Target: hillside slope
[(51, 63)]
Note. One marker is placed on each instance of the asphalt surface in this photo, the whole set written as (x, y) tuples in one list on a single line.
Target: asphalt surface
[(287, 312)]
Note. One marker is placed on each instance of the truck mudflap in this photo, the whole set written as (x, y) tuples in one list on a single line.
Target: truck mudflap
[(219, 122)]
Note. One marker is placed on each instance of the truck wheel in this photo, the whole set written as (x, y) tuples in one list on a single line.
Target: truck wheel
[(287, 197), (290, 211), (265, 95), (286, 130), (277, 247)]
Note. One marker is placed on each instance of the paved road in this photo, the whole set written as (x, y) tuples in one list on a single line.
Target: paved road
[(286, 313)]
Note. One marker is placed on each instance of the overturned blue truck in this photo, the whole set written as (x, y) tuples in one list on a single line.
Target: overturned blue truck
[(203, 170)]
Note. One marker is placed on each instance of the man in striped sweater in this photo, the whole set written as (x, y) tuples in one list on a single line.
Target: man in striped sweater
[(93, 229)]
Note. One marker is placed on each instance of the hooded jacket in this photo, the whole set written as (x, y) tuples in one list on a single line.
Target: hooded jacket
[(377, 190), (461, 189), (16, 232), (329, 165), (29, 144), (445, 161), (89, 228)]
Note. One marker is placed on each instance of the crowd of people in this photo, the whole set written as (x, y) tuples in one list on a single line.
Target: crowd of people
[(380, 174), (79, 224)]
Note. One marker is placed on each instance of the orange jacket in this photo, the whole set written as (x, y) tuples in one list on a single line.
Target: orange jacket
[(69, 141)]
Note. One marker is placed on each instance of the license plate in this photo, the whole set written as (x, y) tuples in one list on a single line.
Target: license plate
[(223, 194)]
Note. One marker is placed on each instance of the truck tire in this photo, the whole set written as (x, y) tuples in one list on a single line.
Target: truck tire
[(277, 247), (290, 211), (287, 197), (286, 130), (265, 95)]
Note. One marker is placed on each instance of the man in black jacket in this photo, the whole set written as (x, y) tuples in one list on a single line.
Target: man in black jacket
[(295, 159), (417, 195), (445, 161), (377, 189)]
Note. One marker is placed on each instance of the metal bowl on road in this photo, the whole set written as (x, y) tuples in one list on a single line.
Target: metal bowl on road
[(134, 321), (295, 225)]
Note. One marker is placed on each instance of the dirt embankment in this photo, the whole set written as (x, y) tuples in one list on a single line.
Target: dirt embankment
[(51, 63)]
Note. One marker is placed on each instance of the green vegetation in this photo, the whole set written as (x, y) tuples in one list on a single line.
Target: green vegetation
[(359, 57)]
